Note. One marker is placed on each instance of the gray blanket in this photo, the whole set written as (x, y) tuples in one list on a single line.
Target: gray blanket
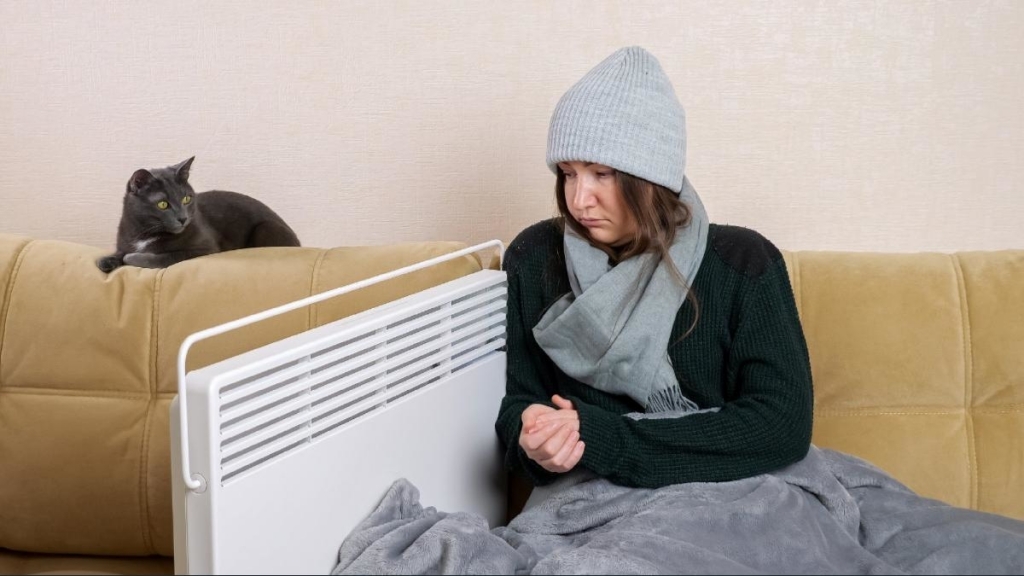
[(830, 513)]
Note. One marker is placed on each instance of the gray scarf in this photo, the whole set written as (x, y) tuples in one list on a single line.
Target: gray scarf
[(612, 331)]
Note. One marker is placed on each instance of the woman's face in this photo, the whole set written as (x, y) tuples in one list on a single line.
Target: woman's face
[(594, 199)]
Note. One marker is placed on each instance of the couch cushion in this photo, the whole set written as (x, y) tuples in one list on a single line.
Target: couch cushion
[(994, 311), (918, 364), (87, 372)]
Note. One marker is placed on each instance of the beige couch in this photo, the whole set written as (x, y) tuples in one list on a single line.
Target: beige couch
[(918, 363)]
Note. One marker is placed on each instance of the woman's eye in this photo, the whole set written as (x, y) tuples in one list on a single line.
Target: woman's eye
[(163, 205), (569, 175), (186, 199), (603, 174)]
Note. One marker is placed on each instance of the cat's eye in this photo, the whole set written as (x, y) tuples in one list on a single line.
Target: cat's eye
[(163, 205), (186, 199)]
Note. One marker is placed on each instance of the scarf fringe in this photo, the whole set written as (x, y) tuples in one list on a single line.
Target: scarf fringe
[(670, 400)]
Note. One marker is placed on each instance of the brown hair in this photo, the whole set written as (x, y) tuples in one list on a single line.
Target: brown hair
[(659, 214)]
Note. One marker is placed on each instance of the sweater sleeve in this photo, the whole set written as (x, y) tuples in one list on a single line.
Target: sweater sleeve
[(765, 427), (524, 384)]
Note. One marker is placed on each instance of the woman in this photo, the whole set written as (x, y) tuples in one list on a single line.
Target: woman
[(644, 344)]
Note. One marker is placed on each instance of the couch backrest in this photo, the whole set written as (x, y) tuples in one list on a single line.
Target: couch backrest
[(918, 364), (87, 372)]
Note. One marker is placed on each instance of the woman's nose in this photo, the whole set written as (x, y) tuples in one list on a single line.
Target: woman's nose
[(584, 197)]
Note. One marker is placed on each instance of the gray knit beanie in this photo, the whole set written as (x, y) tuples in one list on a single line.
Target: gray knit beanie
[(623, 114)]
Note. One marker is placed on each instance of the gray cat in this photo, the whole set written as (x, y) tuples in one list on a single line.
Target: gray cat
[(164, 221)]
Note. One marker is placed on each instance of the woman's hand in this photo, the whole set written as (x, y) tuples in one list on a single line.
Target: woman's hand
[(551, 437)]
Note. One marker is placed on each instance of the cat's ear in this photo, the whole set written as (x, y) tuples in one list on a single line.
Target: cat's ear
[(181, 170), (139, 180)]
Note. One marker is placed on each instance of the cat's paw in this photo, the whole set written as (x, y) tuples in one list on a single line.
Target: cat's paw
[(108, 264)]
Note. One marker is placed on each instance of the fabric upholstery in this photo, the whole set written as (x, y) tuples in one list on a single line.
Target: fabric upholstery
[(918, 363)]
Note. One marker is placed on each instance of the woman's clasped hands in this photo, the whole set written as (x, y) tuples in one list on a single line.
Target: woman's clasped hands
[(551, 436)]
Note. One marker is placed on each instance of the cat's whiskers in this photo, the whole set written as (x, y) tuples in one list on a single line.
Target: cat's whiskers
[(148, 234)]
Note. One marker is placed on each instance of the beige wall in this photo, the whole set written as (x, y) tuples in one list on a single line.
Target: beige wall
[(891, 125)]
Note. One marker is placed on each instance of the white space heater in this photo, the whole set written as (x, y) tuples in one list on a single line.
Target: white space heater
[(280, 452)]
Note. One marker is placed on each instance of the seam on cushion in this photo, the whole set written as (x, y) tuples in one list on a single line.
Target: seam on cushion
[(965, 323), (147, 537), (1000, 408), (887, 412), (18, 259), (314, 281), (894, 408), (154, 336), (119, 394)]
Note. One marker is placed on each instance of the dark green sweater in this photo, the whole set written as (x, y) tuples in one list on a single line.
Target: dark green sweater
[(747, 355)]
